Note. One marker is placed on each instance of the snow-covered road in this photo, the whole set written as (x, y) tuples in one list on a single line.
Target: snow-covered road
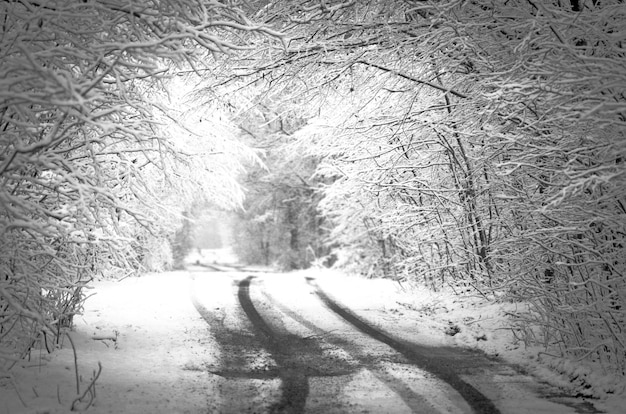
[(307, 352), (241, 342)]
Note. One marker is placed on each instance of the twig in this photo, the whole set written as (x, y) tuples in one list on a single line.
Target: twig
[(75, 362), (124, 277), (17, 391), (411, 78), (548, 354), (91, 389)]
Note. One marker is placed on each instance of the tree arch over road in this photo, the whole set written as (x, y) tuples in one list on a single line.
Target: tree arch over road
[(470, 143)]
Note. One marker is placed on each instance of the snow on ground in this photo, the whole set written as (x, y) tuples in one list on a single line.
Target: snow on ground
[(211, 256), (154, 346), (149, 338), (444, 318)]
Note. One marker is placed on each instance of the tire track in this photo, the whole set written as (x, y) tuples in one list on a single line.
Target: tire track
[(264, 351), (242, 370), (421, 356), (416, 402), (294, 381)]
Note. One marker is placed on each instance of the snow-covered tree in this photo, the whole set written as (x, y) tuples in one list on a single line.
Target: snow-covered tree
[(91, 157), (472, 142), (279, 223)]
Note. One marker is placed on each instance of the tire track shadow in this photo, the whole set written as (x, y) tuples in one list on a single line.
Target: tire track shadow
[(245, 368), (423, 357), (294, 381), (265, 351), (416, 402)]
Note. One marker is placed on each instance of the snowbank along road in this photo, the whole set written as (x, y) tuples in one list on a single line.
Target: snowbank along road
[(289, 345)]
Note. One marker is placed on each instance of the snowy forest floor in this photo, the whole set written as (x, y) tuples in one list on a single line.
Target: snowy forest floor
[(154, 347)]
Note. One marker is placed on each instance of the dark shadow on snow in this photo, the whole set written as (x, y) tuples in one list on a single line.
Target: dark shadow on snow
[(421, 356), (446, 363), (293, 359)]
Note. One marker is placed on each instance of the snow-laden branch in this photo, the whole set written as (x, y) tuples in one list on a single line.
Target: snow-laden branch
[(92, 175)]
